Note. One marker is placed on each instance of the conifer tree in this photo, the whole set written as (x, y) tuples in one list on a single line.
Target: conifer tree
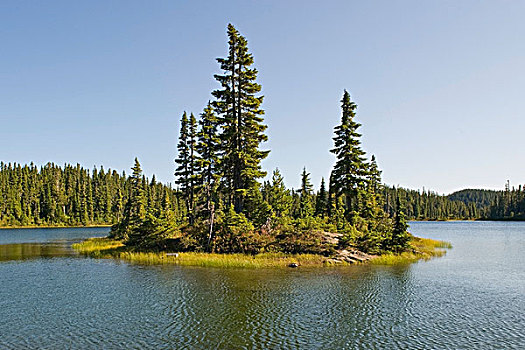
[(134, 211), (371, 197), (321, 200), (306, 199), (241, 119), (183, 161), (374, 175), (208, 149), (194, 176), (350, 170), (278, 196), (137, 197), (400, 236)]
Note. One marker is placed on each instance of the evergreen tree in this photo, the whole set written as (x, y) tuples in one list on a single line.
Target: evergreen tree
[(183, 172), (306, 198), (374, 175), (241, 120), (194, 176), (321, 200), (137, 198), (68, 195), (208, 147), (400, 236), (278, 196), (350, 170)]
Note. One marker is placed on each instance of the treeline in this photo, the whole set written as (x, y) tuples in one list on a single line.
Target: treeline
[(229, 209), (428, 205), (468, 204), (71, 195), (508, 204)]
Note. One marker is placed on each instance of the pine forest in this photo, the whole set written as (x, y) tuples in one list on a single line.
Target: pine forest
[(221, 202)]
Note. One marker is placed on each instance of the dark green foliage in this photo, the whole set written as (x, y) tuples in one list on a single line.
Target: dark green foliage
[(277, 196), (306, 198), (508, 204), (68, 195), (138, 227), (135, 209), (233, 228), (349, 174), (400, 236), (241, 121), (183, 172), (228, 210), (427, 205), (480, 198), (208, 147), (321, 200), (187, 171)]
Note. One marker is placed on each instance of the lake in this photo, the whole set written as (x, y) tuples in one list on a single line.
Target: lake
[(473, 298)]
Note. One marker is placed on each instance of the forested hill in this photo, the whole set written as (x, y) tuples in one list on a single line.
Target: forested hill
[(428, 205), (468, 204), (482, 198), (70, 195)]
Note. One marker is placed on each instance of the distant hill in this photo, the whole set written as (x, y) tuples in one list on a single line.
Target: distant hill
[(481, 198)]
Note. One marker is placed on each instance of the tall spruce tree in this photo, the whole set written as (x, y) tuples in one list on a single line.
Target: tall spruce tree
[(134, 211), (400, 236), (241, 119), (321, 200), (137, 196), (194, 176), (349, 173), (306, 201), (208, 149), (372, 197), (374, 175), (186, 161)]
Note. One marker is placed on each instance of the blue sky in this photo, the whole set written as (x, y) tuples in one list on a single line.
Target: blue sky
[(439, 84)]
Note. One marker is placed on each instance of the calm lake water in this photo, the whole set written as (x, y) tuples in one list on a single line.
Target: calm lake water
[(473, 298)]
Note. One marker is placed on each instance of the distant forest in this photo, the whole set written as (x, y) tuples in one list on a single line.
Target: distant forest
[(72, 195), (52, 195), (223, 204)]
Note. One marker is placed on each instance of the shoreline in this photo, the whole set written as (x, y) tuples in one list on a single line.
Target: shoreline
[(106, 248), (109, 225), (53, 226)]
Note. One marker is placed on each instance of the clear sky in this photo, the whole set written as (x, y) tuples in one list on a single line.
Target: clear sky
[(439, 84)]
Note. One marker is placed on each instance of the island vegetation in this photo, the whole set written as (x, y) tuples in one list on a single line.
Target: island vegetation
[(221, 211), (228, 211)]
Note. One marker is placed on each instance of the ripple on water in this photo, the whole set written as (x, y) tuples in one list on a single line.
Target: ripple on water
[(448, 303)]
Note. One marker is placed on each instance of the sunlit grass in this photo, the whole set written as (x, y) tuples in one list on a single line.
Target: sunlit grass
[(223, 260), (96, 245), (422, 249), (109, 248)]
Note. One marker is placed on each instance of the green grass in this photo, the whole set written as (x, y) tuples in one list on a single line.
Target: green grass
[(108, 248), (423, 249), (223, 260), (97, 245)]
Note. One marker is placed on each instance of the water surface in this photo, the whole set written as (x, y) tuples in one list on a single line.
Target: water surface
[(473, 298)]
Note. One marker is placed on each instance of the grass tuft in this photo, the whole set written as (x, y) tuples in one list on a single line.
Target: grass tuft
[(108, 248), (97, 244), (422, 248)]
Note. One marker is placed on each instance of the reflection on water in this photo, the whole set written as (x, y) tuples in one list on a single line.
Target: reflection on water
[(468, 299), (22, 244), (22, 251)]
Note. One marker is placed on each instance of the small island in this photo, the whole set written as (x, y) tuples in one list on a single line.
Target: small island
[(226, 217)]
